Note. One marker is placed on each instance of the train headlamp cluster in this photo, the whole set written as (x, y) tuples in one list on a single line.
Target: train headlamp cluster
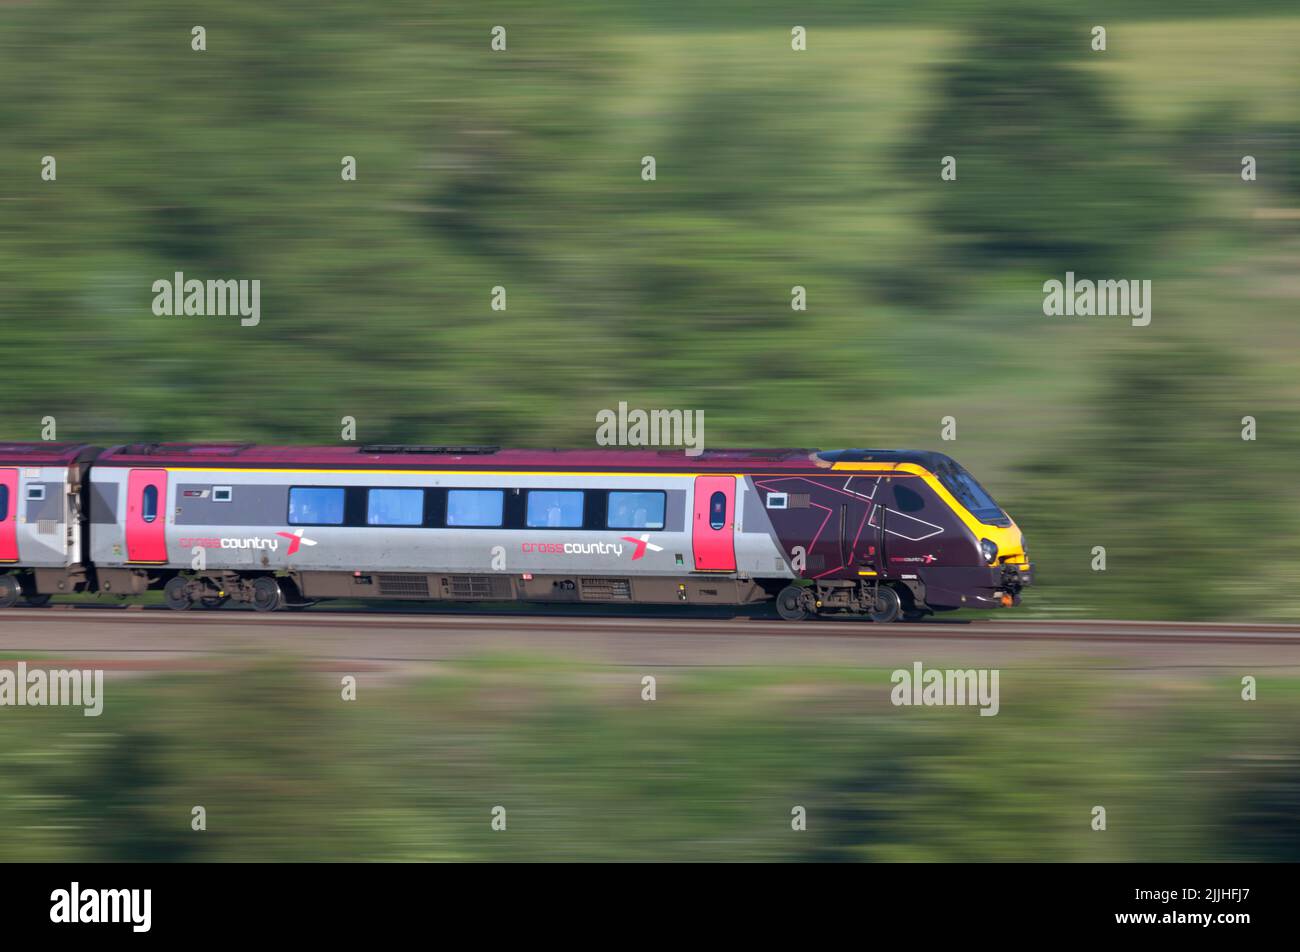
[(989, 551)]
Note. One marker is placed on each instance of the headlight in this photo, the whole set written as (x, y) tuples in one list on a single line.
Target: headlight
[(989, 551)]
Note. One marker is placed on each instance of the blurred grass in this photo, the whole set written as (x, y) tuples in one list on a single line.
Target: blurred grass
[(709, 771)]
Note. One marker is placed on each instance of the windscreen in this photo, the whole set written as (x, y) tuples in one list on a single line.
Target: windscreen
[(971, 494)]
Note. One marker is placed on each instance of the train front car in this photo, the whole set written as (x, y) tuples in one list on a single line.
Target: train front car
[(887, 534), (894, 533)]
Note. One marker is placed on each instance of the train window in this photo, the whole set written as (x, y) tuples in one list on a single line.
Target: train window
[(475, 507), (4, 503), (36, 492), (638, 510), (222, 494), (395, 507), (969, 492), (316, 506), (778, 500), (907, 500), (717, 510), (549, 509), (149, 504)]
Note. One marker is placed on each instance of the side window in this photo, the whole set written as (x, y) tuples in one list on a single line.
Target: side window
[(717, 510), (149, 504), (642, 510), (4, 503), (316, 506), (475, 507), (548, 509), (36, 492), (222, 494), (908, 500), (395, 507)]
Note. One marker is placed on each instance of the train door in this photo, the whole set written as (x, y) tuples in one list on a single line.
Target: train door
[(146, 522), (8, 515), (712, 537)]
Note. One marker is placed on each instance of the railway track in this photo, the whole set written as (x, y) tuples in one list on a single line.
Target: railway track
[(32, 622)]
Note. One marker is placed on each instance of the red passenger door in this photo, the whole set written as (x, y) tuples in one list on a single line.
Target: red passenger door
[(146, 512), (715, 520), (8, 515)]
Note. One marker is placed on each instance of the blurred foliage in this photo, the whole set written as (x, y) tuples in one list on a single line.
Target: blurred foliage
[(775, 169), (1049, 170), (711, 771)]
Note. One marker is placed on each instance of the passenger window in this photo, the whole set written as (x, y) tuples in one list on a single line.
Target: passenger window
[(907, 500), (717, 510), (554, 510), (4, 503), (395, 507), (149, 504), (475, 507), (316, 506), (636, 510)]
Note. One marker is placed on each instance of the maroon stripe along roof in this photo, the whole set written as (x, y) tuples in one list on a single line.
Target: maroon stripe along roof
[(41, 453), (394, 456)]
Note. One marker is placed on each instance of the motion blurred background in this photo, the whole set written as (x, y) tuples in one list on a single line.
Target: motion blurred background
[(775, 168)]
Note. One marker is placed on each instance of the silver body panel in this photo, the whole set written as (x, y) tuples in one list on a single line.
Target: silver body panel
[(48, 532), (251, 531)]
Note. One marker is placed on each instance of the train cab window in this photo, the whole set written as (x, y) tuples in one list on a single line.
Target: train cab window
[(970, 493), (395, 507), (908, 500), (36, 492), (149, 504), (4, 503), (636, 510), (475, 507), (548, 509), (717, 510), (316, 506)]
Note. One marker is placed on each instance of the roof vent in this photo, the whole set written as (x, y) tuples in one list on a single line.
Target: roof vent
[(188, 449), (415, 448)]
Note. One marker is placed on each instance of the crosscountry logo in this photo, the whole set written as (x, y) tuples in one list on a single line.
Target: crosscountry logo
[(295, 539), (642, 544)]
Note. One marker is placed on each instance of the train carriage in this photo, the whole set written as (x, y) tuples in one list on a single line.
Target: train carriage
[(880, 533), (42, 548)]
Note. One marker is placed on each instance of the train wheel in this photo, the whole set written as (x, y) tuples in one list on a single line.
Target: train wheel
[(176, 597), (38, 601), (790, 603), (9, 591), (887, 607), (267, 594)]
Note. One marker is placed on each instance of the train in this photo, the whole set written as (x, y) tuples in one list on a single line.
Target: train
[(887, 535)]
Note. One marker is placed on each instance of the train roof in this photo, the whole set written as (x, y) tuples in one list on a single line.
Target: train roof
[(395, 456), (44, 453)]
